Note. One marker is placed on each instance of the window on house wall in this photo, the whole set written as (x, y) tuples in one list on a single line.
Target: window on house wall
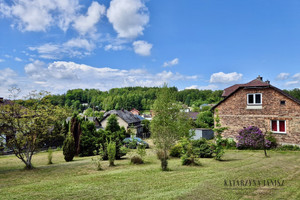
[(255, 98), (282, 102), (278, 126)]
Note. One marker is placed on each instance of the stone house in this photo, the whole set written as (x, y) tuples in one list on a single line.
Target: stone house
[(125, 119), (260, 104), (135, 111)]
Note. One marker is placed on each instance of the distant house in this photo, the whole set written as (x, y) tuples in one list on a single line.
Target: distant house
[(91, 119), (203, 133), (192, 115), (135, 111), (125, 119), (260, 104)]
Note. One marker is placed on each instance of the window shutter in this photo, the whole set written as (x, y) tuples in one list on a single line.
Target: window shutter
[(281, 126), (274, 125)]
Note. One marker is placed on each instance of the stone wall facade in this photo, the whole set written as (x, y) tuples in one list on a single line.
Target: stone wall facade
[(235, 114)]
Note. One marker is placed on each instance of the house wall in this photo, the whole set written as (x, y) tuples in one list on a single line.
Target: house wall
[(234, 114), (120, 121)]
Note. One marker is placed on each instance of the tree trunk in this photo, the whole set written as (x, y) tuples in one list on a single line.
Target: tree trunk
[(164, 162)]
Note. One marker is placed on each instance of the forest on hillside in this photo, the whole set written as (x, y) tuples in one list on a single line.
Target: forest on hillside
[(141, 98)]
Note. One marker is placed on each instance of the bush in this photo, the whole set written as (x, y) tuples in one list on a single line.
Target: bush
[(188, 160), (69, 148), (202, 149), (141, 151), (288, 147), (272, 139), (111, 152), (176, 150), (251, 138), (160, 155), (229, 143), (136, 160)]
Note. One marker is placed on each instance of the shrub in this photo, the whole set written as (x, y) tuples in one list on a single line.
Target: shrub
[(111, 152), (251, 138), (288, 147), (188, 157), (228, 143), (189, 160), (136, 160), (176, 150), (272, 139), (50, 156), (202, 149), (141, 151), (69, 148), (160, 154)]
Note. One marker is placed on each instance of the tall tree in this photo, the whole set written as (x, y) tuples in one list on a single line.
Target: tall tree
[(25, 127), (76, 132), (168, 124)]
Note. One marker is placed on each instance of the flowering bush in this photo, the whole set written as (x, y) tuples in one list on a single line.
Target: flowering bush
[(251, 138)]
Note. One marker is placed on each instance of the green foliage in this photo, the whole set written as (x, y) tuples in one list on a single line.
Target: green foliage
[(205, 119), (112, 124), (176, 150), (269, 136), (141, 151), (168, 124), (111, 152), (188, 157), (26, 124), (98, 159), (50, 156), (219, 151), (202, 149), (136, 159), (69, 148), (141, 98), (288, 148), (146, 128)]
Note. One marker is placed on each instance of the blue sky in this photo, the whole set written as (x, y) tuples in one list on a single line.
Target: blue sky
[(56, 45)]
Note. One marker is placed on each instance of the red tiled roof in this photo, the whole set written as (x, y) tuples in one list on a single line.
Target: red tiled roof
[(254, 83)]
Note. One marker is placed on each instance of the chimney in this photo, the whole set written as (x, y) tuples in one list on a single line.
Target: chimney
[(267, 81), (259, 78)]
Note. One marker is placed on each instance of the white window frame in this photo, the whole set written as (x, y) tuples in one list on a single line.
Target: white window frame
[(277, 121), (254, 99)]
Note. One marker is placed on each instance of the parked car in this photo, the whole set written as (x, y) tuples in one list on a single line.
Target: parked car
[(133, 142)]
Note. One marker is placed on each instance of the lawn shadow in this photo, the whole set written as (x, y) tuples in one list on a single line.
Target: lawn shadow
[(230, 160)]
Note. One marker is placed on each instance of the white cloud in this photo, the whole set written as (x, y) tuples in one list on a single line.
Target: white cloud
[(76, 47), (114, 47), (38, 15), (206, 87), (291, 83), (86, 23), (142, 48), (7, 80), (80, 43), (283, 76), (175, 61), (2, 60), (128, 17), (18, 59), (297, 76), (221, 77), (58, 77)]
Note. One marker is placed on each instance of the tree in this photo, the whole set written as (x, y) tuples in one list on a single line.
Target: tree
[(205, 119), (69, 150), (219, 130), (25, 127), (76, 132), (112, 124), (168, 124)]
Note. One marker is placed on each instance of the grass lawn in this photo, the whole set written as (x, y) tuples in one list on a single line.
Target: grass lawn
[(80, 180)]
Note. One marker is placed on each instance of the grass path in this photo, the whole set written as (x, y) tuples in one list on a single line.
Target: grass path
[(80, 180)]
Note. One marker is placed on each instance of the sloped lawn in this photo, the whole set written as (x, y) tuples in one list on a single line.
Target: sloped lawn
[(80, 180)]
